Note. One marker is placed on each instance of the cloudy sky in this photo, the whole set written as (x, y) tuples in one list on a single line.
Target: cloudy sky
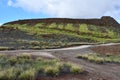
[(25, 9)]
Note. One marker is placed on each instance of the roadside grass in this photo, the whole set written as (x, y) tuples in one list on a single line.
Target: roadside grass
[(98, 58), (24, 67)]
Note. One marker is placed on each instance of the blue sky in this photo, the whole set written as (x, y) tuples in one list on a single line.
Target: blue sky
[(11, 10)]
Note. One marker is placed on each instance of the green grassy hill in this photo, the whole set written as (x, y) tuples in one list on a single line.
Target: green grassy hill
[(33, 34)]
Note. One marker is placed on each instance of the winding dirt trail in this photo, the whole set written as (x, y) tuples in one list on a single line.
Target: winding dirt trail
[(107, 71)]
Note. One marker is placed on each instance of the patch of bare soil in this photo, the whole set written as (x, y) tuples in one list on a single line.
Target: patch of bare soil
[(112, 49), (72, 77)]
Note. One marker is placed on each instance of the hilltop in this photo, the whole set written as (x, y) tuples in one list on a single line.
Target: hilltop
[(58, 32), (104, 21)]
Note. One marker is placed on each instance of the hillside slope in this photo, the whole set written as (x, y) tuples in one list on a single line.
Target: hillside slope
[(58, 32)]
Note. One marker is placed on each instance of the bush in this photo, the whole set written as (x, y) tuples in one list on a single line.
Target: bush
[(51, 71), (12, 60), (59, 65), (40, 69), (61, 26), (66, 67), (91, 58), (24, 56), (117, 60), (27, 75), (4, 48), (2, 55), (85, 56), (35, 43), (69, 27), (52, 25), (107, 59), (8, 74), (76, 69), (83, 28), (99, 60), (39, 59)]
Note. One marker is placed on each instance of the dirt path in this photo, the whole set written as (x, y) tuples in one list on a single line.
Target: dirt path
[(105, 71), (108, 71)]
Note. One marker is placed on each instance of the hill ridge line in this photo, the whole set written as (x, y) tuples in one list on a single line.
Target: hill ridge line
[(103, 21)]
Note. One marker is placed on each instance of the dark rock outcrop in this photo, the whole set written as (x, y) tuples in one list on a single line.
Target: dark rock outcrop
[(104, 21)]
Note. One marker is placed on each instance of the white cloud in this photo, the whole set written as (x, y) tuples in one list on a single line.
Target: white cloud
[(70, 8), (10, 3)]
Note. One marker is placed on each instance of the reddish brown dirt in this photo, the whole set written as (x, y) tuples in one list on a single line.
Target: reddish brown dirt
[(72, 77), (113, 49)]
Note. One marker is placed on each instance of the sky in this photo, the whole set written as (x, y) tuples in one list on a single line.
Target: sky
[(11, 10)]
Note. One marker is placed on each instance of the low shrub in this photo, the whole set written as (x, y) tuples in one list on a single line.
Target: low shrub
[(34, 43), (97, 58), (2, 55), (27, 75), (12, 60), (4, 48), (24, 56), (76, 69), (91, 58), (39, 59), (51, 71), (107, 59), (8, 74), (52, 25), (66, 67)]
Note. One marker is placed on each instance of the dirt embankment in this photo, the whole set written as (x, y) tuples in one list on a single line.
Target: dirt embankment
[(113, 49), (104, 21)]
